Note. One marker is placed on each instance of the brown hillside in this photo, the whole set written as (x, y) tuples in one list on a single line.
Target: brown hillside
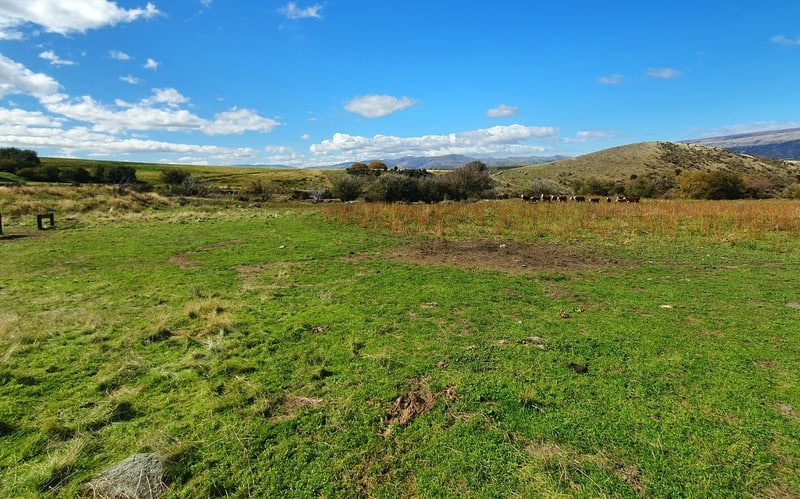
[(653, 160)]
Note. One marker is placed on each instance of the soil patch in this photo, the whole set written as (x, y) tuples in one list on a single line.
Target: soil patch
[(414, 403), (512, 257)]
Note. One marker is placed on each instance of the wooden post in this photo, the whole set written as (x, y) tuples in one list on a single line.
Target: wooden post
[(40, 220), (1, 224)]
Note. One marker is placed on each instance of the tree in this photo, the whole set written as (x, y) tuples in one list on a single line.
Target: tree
[(377, 167), (359, 169), (13, 159)]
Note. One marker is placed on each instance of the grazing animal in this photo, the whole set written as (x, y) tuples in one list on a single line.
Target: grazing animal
[(595, 200), (632, 199), (562, 198), (579, 199)]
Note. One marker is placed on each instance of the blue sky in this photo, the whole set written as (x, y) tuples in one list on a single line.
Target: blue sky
[(308, 83)]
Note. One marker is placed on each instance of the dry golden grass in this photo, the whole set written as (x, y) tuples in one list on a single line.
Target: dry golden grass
[(720, 221), (21, 200)]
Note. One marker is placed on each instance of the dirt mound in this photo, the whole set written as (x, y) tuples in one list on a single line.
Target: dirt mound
[(509, 256)]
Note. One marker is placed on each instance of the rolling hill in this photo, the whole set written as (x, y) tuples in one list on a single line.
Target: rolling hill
[(783, 144), (653, 160)]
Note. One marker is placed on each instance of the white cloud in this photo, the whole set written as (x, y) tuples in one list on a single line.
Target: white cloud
[(502, 111), (17, 79), (130, 79), (590, 135), (55, 60), (305, 136), (508, 139), (614, 79), (22, 119), (206, 3), (375, 106), (663, 73), (166, 96), (119, 55), (237, 121), (292, 11), (783, 40), (58, 16), (151, 64)]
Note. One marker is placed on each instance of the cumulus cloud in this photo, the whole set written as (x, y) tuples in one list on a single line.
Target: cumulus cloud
[(237, 121), (21, 119), (292, 11), (663, 73), (58, 16), (502, 111), (783, 40), (614, 79), (119, 55), (55, 60), (166, 96), (17, 79), (375, 106), (151, 64), (508, 139)]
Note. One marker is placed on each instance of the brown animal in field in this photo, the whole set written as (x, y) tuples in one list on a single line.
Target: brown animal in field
[(579, 199), (595, 200)]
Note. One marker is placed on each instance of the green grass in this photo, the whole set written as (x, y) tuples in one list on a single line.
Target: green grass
[(263, 350)]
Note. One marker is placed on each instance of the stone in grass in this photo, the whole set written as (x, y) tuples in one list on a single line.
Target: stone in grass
[(141, 476)]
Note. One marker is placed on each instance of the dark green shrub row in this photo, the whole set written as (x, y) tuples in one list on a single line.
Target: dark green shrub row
[(469, 182)]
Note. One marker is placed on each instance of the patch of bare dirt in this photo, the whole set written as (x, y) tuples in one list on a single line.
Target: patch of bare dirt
[(512, 257), (293, 403), (414, 403)]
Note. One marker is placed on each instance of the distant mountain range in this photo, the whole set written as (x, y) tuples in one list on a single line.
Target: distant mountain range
[(780, 144), (456, 160)]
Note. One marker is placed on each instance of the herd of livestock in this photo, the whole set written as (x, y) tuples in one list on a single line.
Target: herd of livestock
[(563, 198)]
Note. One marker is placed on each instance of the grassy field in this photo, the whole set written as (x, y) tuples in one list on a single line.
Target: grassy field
[(491, 349)]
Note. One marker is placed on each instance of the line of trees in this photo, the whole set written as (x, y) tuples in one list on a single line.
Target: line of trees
[(26, 164), (375, 182)]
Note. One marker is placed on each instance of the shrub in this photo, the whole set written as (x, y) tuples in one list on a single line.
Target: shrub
[(391, 188), (174, 177), (547, 187), (115, 174), (471, 181), (258, 189), (347, 188), (40, 174), (711, 185)]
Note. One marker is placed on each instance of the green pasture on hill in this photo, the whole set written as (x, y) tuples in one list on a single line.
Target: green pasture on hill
[(272, 353)]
